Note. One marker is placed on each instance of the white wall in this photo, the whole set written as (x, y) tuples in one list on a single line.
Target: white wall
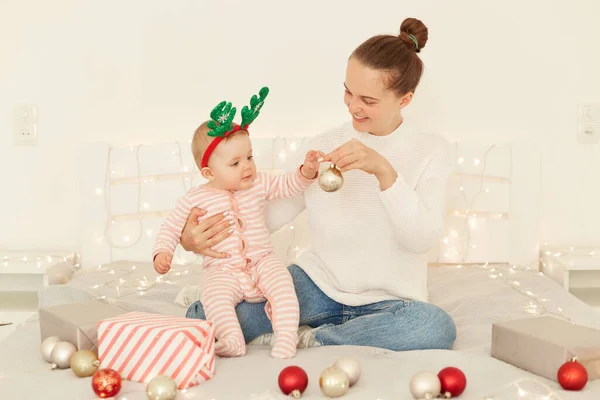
[(148, 70)]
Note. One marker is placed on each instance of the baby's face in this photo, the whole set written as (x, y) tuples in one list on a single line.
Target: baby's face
[(232, 163)]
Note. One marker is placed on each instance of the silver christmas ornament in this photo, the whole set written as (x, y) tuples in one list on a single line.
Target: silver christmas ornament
[(351, 367), (425, 385), (61, 355), (161, 387), (331, 179), (47, 346), (334, 382)]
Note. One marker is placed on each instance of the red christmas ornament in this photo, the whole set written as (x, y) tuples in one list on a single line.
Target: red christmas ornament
[(106, 383), (453, 381), (293, 380), (572, 375)]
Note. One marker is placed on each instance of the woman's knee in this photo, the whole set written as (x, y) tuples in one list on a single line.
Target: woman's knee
[(430, 327), (442, 328)]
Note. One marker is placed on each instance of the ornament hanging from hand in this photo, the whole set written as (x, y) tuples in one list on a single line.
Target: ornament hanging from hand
[(331, 179)]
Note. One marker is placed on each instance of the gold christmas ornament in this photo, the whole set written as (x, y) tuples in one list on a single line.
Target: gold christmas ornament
[(161, 387), (334, 382), (84, 363), (331, 179)]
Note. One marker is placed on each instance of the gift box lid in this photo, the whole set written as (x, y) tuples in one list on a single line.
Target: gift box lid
[(555, 331), (83, 312)]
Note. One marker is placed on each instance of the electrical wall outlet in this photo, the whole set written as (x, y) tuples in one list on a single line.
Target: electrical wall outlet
[(588, 123), (587, 134), (25, 125)]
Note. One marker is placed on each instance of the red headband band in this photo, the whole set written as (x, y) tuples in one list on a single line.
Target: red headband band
[(211, 147)]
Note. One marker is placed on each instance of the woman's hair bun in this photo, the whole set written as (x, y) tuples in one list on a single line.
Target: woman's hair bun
[(414, 33)]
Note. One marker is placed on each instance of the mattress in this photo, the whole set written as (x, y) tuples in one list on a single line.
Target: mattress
[(474, 296)]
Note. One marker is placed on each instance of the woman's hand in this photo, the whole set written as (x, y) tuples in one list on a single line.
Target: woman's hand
[(355, 155), (199, 237)]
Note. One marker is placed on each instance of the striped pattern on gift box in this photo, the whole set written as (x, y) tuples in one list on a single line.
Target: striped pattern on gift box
[(142, 345)]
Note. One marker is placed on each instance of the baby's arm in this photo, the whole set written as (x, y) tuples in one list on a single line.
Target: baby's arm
[(295, 182), (170, 233)]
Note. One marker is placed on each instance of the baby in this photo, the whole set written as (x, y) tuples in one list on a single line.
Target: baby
[(223, 152)]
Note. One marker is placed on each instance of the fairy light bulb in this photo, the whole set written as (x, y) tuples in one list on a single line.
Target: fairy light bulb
[(282, 156)]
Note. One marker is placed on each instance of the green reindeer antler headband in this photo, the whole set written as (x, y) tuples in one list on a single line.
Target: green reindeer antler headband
[(222, 125)]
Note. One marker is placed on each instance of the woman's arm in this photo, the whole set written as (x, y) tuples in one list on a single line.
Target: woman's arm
[(281, 212), (417, 214)]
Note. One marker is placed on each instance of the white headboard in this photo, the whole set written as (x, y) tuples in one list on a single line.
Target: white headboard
[(493, 201)]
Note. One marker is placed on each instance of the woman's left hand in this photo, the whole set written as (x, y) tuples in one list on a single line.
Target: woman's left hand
[(355, 155)]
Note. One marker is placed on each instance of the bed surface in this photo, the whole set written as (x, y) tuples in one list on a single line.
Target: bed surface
[(125, 193), (474, 296)]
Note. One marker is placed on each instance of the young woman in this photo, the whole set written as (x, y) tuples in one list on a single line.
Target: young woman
[(363, 281)]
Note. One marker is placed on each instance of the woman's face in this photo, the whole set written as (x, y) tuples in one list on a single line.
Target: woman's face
[(374, 108)]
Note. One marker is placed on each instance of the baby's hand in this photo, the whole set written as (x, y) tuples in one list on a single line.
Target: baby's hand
[(162, 262), (310, 168)]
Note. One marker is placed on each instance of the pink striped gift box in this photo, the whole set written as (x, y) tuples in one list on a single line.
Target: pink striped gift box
[(142, 345)]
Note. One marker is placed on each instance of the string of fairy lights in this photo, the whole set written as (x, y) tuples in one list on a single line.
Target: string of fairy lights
[(280, 153)]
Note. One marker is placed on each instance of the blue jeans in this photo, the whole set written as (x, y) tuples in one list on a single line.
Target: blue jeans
[(392, 324)]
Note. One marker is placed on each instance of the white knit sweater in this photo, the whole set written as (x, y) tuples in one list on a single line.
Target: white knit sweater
[(369, 245)]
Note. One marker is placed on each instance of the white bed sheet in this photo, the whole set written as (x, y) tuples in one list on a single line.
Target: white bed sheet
[(475, 297)]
